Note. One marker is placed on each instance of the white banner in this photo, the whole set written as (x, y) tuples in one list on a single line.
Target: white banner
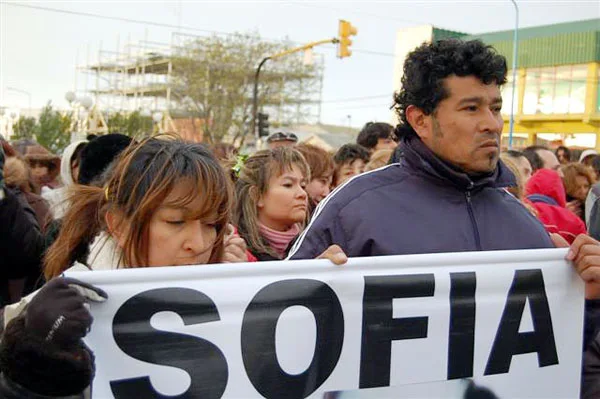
[(509, 320)]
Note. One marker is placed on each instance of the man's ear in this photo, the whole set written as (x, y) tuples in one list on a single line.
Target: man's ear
[(419, 121), (115, 227)]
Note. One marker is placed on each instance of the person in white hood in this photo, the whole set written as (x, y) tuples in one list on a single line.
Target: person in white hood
[(69, 170)]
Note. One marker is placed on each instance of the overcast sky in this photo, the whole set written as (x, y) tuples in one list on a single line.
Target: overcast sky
[(39, 48)]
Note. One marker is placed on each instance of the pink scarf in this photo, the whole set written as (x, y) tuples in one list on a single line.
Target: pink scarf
[(279, 240)]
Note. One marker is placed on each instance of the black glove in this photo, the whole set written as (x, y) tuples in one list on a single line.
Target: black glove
[(58, 313)]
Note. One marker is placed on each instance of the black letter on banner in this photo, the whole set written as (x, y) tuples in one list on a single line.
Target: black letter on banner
[(527, 284), (379, 328), (258, 337), (461, 337), (203, 361)]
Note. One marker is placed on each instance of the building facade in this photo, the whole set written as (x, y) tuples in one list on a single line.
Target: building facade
[(557, 95)]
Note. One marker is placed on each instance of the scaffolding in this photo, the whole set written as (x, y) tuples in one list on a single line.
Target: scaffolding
[(134, 77), (139, 77)]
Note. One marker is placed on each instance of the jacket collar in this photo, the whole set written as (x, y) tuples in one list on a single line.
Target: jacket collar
[(420, 158)]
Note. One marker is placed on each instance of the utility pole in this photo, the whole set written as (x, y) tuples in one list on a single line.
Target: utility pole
[(514, 75)]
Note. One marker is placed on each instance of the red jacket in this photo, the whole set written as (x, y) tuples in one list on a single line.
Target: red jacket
[(546, 193)]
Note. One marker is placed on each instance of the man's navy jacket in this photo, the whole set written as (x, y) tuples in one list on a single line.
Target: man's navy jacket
[(421, 205)]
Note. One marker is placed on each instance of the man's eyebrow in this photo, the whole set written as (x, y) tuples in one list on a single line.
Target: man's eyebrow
[(479, 100), (467, 100)]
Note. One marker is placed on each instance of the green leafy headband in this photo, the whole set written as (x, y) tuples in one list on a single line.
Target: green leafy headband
[(239, 163)]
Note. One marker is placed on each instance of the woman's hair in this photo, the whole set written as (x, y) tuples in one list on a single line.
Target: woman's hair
[(379, 158), (595, 164), (253, 182), (227, 156), (565, 151), (571, 171), (16, 174), (137, 184), (319, 161), (9, 151), (224, 151), (509, 160)]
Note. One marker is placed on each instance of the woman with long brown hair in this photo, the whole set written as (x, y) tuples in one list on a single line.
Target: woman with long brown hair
[(272, 204), (164, 203), (149, 212), (578, 180)]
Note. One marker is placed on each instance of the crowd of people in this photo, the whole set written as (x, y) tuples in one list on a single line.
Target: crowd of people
[(437, 182)]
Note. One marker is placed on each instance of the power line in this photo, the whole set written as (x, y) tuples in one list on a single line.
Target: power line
[(373, 52), (357, 50), (163, 25), (122, 19), (311, 5), (367, 14), (343, 100), (387, 106)]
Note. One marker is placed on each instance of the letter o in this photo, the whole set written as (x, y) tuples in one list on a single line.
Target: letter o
[(258, 337)]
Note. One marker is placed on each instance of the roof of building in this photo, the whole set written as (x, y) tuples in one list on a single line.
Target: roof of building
[(333, 135), (536, 32), (442, 34), (566, 43)]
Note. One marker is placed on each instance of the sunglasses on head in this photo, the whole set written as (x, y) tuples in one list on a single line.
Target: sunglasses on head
[(281, 136)]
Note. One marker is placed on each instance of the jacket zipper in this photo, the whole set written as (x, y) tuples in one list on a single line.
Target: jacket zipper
[(472, 216)]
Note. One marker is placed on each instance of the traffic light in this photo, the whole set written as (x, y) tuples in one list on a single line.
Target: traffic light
[(263, 125), (344, 32)]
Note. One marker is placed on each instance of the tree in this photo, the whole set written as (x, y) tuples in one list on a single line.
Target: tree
[(24, 128), (133, 124), (117, 123), (53, 130), (213, 80)]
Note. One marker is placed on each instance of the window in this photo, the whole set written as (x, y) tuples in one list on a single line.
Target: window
[(578, 84), (532, 88), (555, 90), (507, 95), (598, 89)]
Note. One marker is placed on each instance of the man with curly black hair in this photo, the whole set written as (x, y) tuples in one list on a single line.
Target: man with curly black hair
[(447, 192), (451, 100)]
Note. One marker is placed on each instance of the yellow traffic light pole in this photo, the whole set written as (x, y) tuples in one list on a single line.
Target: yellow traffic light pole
[(345, 30), (303, 48), (272, 57)]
